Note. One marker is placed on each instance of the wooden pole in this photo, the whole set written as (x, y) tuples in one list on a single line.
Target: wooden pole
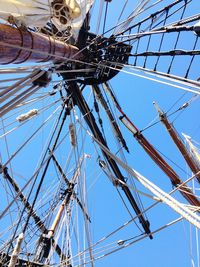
[(19, 46), (172, 132), (156, 157), (57, 219)]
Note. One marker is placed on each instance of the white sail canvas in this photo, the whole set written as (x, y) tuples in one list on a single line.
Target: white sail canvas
[(33, 13)]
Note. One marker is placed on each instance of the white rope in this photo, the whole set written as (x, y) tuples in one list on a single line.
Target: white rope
[(165, 198), (125, 245)]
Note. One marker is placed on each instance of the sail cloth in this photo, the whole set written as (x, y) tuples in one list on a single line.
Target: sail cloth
[(64, 14), (77, 18), (193, 149)]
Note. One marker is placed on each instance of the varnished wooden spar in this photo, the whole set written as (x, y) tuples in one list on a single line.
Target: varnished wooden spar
[(179, 143), (19, 46), (155, 156)]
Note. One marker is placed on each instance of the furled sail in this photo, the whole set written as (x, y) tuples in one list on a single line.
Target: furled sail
[(76, 15), (29, 13), (193, 149), (62, 13)]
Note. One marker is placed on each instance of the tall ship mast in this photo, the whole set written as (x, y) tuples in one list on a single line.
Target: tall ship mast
[(89, 175)]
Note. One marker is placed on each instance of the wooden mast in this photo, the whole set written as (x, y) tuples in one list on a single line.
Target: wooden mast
[(172, 132), (18, 46), (80, 101), (154, 155), (46, 239)]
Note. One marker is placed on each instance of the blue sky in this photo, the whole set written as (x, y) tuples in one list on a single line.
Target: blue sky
[(170, 247)]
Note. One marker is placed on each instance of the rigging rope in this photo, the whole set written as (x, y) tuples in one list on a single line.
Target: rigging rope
[(166, 198)]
